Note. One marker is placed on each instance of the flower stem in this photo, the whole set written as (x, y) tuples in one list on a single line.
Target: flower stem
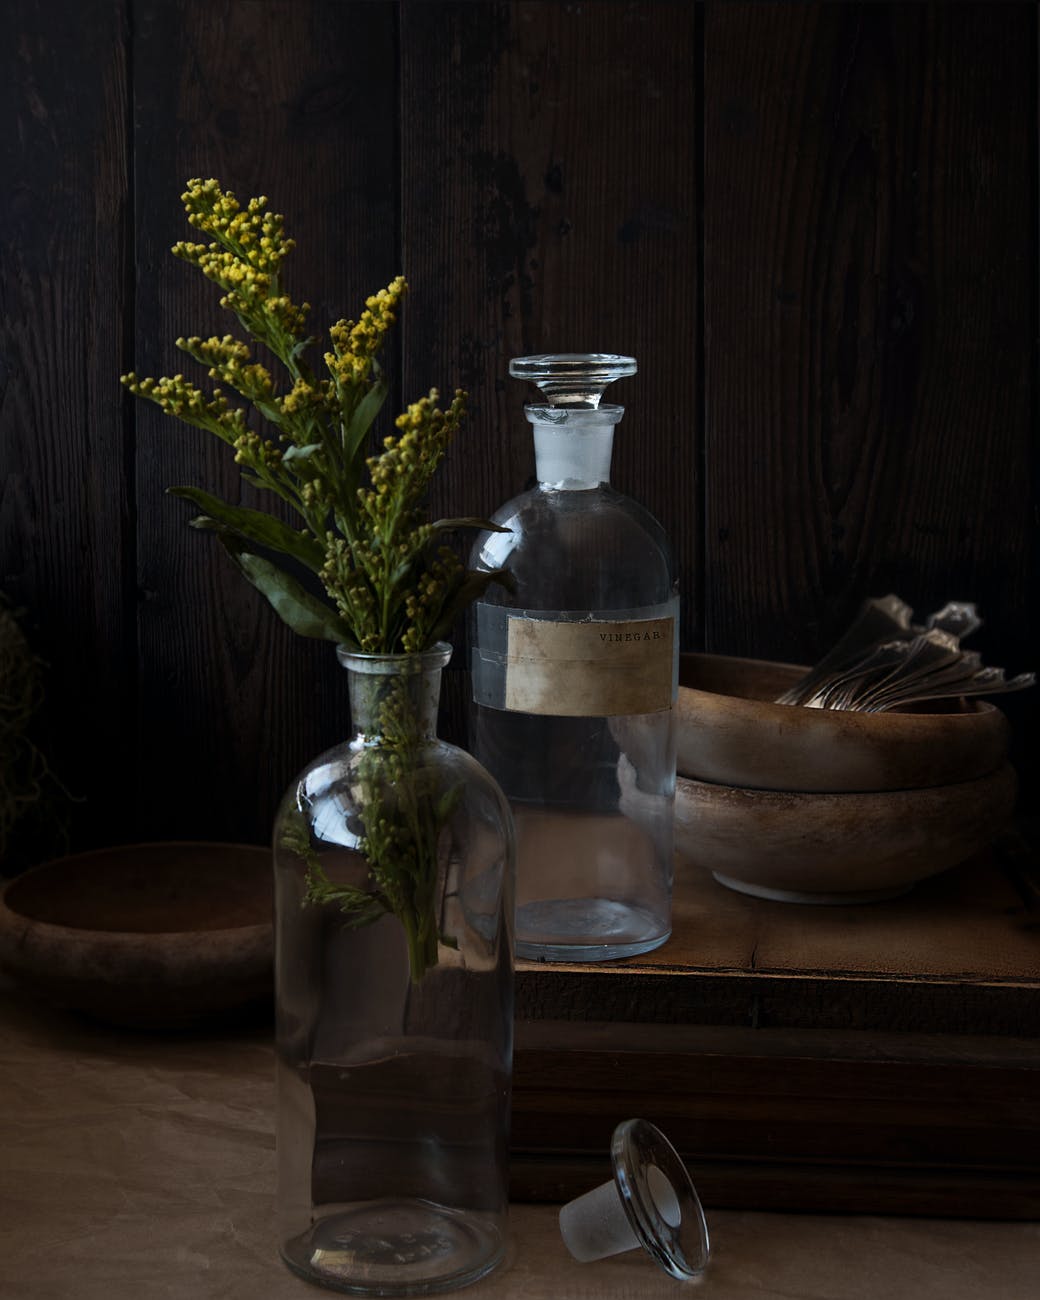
[(418, 934)]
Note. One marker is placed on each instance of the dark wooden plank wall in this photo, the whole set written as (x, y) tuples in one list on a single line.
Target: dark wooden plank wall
[(815, 226), (298, 102), (66, 445)]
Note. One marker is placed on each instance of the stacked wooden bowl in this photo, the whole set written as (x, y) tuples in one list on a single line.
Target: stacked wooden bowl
[(826, 806)]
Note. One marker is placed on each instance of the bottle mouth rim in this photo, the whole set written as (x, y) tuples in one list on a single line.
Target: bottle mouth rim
[(565, 362), (415, 661)]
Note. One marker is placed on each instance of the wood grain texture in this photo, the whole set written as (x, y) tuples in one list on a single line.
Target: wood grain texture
[(864, 419), (803, 1188), (957, 955), (874, 1123), (867, 381), (298, 103), (550, 203), (64, 501)]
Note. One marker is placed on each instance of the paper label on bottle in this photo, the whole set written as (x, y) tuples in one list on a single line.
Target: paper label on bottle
[(589, 669)]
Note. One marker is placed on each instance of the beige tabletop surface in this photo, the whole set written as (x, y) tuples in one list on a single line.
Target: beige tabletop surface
[(143, 1166)]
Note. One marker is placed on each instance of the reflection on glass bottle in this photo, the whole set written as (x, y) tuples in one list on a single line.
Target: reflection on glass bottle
[(574, 677), (394, 978)]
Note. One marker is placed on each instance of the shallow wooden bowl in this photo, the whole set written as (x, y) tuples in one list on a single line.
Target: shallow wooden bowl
[(147, 935), (730, 732), (836, 848)]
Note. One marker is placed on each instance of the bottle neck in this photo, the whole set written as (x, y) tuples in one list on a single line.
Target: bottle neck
[(573, 448), (394, 698)]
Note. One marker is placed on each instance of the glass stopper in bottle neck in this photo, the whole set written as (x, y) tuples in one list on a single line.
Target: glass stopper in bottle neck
[(574, 380)]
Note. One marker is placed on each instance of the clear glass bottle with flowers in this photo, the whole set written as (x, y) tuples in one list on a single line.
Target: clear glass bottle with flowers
[(394, 851)]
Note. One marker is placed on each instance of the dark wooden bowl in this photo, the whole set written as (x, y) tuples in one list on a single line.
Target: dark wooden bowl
[(154, 936)]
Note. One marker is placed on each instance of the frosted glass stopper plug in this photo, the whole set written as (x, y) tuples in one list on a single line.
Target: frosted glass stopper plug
[(650, 1202), (573, 379)]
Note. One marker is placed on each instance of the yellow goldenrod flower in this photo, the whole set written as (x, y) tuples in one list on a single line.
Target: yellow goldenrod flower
[(374, 549)]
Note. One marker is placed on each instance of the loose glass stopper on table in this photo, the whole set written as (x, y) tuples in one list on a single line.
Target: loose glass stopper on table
[(650, 1202)]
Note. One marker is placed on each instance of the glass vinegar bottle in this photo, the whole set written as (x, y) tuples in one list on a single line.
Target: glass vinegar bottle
[(575, 673)]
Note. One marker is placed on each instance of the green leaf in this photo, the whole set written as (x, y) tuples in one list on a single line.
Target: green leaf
[(359, 907), (268, 410), (401, 572), (446, 525), (253, 526), (301, 346), (447, 804), (290, 600), (301, 453), (361, 421), (471, 587)]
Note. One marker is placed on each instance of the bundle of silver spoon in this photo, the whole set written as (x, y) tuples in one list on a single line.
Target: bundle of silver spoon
[(885, 661)]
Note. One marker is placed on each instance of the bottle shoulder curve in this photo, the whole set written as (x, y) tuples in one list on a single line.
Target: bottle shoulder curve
[(576, 518), (578, 549)]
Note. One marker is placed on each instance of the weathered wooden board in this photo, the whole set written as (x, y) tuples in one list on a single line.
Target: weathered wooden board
[(568, 189), (959, 954), (871, 1059), (550, 203), (867, 385), (814, 226), (66, 523), (775, 1119), (297, 103)]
